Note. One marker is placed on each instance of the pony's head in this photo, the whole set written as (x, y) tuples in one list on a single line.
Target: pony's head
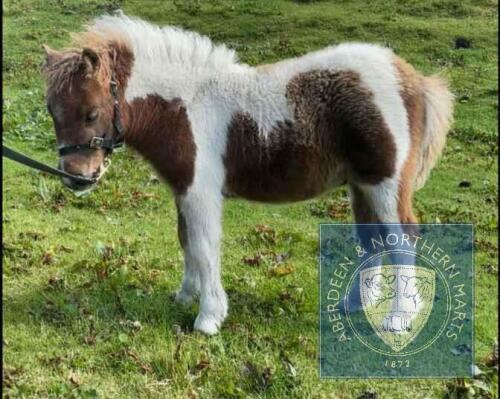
[(80, 101)]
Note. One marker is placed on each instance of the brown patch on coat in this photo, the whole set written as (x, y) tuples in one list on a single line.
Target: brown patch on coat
[(414, 102), (337, 134), (283, 167), (342, 108), (161, 132)]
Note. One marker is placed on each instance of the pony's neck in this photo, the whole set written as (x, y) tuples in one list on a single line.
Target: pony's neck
[(186, 81), (175, 63)]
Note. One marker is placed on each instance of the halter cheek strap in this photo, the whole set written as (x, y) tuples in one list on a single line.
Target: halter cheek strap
[(96, 142)]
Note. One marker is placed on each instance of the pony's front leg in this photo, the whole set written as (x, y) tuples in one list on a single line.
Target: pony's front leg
[(202, 213), (190, 287)]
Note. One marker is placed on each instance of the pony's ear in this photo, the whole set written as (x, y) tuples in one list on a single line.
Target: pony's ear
[(90, 61), (368, 282), (51, 55), (390, 279), (405, 278)]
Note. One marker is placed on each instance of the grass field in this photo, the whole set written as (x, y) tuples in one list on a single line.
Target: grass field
[(87, 281)]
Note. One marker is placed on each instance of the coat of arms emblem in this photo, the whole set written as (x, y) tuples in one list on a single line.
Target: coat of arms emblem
[(397, 301)]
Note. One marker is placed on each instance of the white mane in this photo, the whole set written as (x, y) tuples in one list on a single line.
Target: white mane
[(170, 61), (171, 45)]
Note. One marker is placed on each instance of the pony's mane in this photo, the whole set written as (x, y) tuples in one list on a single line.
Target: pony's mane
[(172, 47), (169, 45)]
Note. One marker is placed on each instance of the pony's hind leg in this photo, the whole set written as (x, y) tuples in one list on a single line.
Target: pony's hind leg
[(363, 214), (376, 203), (385, 200), (405, 198), (361, 208)]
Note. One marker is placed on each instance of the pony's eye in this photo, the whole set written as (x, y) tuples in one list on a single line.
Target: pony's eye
[(92, 115)]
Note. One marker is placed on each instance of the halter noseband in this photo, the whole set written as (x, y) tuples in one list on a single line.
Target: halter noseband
[(96, 142)]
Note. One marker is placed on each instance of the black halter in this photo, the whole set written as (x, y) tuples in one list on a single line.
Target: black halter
[(96, 142)]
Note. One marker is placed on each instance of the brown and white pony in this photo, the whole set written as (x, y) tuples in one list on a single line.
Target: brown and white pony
[(351, 114)]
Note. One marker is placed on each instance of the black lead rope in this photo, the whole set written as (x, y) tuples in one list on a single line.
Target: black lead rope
[(25, 160)]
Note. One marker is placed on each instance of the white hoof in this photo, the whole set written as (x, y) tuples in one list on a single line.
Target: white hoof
[(206, 324), (184, 298)]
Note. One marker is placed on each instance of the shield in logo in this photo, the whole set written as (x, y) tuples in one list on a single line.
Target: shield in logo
[(397, 301)]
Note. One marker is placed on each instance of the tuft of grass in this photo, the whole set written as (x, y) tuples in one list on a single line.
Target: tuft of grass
[(88, 282)]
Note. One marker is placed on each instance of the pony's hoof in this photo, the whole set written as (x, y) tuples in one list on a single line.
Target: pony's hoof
[(206, 324), (183, 298)]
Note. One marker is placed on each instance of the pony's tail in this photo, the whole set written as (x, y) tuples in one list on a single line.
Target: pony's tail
[(438, 102)]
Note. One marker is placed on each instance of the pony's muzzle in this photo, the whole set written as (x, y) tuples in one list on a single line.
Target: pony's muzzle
[(77, 185)]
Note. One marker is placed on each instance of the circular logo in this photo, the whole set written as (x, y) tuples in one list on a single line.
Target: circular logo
[(397, 309)]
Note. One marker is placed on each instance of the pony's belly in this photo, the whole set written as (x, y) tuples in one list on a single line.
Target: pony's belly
[(274, 195), (284, 185), (291, 164)]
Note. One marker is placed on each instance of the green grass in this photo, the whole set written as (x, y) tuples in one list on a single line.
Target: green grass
[(87, 281)]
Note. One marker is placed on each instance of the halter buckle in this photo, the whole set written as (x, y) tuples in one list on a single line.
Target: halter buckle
[(96, 142)]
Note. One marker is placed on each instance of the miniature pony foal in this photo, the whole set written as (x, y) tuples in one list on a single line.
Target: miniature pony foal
[(351, 114)]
